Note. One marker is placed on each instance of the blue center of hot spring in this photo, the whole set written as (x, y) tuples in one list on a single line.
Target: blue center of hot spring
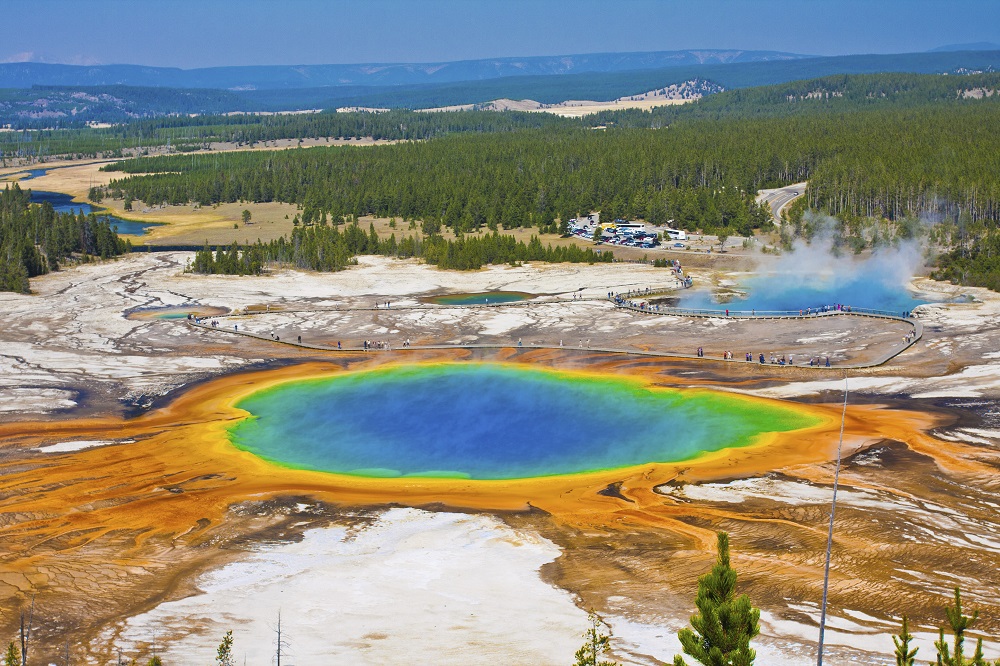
[(486, 421)]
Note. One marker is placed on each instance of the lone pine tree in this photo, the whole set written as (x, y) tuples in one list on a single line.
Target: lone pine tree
[(12, 656), (596, 643), (904, 655), (725, 624), (224, 655)]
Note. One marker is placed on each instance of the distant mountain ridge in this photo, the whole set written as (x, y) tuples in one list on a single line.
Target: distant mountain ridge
[(604, 86), (79, 105), (46, 106), (272, 77), (972, 46)]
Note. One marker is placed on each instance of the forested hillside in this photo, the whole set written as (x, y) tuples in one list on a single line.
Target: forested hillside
[(327, 248), (830, 94), (184, 133), (608, 86), (896, 148), (160, 91), (935, 159), (44, 107), (516, 179), (885, 146), (35, 239), (975, 258)]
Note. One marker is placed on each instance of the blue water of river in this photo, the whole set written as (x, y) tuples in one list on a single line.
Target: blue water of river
[(63, 203)]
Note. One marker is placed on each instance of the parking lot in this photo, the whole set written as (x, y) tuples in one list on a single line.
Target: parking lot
[(629, 234)]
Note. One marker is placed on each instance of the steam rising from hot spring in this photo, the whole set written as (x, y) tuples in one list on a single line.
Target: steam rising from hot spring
[(817, 274), (819, 262)]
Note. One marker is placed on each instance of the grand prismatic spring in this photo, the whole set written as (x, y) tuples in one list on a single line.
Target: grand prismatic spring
[(623, 463), (486, 421)]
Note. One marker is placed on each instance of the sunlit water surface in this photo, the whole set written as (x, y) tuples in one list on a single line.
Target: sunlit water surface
[(63, 203), (858, 287), (486, 421)]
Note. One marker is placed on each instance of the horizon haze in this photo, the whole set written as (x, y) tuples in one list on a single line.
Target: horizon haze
[(192, 34)]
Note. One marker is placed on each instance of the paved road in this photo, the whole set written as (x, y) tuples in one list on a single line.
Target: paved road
[(780, 197)]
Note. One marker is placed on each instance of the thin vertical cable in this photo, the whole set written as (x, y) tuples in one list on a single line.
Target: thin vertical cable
[(829, 536)]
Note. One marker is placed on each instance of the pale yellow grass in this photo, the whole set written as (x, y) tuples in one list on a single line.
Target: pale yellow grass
[(15, 172), (8, 173), (186, 224), (182, 225), (218, 225), (73, 178)]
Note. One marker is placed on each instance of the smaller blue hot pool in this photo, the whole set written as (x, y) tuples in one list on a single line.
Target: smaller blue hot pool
[(862, 287), (481, 298)]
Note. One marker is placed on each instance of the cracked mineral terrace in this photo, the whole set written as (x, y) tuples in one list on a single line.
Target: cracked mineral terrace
[(124, 517)]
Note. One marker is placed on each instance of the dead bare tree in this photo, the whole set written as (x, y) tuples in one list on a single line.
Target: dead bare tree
[(281, 645), (26, 631)]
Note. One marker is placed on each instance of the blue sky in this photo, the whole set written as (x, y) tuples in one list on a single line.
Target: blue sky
[(205, 33)]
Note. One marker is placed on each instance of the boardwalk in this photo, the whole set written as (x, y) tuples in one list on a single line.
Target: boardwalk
[(895, 350)]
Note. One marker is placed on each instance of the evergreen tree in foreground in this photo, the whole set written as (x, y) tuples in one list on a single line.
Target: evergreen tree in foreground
[(224, 656), (12, 656), (596, 644), (904, 655), (725, 624), (955, 656)]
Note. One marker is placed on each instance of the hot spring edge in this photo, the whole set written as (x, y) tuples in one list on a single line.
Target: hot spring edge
[(495, 421)]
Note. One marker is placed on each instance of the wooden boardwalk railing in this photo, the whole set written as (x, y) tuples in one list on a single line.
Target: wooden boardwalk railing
[(916, 325)]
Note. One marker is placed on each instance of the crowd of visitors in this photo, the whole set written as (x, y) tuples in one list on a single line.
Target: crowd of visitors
[(631, 298), (771, 358)]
